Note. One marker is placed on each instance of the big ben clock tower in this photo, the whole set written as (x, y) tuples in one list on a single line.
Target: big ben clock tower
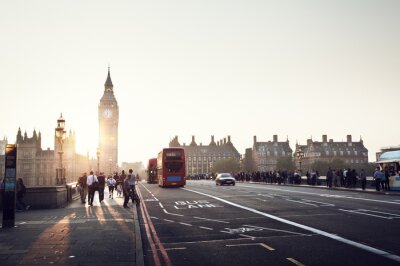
[(108, 128)]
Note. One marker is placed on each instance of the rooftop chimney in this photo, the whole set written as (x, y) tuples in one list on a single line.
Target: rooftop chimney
[(229, 139), (275, 138), (324, 138), (224, 140), (349, 138), (255, 139)]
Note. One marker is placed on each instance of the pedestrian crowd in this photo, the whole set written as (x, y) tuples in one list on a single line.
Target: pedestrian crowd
[(123, 184), (346, 178)]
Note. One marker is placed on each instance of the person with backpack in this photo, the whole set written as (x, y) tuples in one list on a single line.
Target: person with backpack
[(21, 191), (82, 187), (129, 189)]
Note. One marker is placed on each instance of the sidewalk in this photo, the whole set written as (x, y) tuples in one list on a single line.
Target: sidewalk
[(76, 235)]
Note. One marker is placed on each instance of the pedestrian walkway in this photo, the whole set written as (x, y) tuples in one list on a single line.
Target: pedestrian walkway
[(105, 234)]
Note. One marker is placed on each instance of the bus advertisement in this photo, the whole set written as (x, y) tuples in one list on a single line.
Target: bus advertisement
[(171, 167), (152, 171)]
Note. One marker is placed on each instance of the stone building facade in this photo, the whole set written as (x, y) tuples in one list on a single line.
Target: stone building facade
[(265, 155), (37, 167), (201, 158), (349, 151)]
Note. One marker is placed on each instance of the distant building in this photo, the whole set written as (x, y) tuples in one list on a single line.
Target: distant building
[(385, 149), (137, 167), (3, 144), (201, 158), (351, 152), (38, 167), (265, 155)]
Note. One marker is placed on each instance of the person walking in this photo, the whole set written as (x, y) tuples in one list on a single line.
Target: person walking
[(21, 191), (129, 188), (82, 187), (92, 182), (363, 179), (378, 178), (102, 184), (329, 178), (111, 182)]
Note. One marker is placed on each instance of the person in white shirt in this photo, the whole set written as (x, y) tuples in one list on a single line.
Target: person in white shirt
[(111, 185), (91, 179)]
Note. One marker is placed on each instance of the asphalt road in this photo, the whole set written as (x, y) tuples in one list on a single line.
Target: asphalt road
[(257, 224)]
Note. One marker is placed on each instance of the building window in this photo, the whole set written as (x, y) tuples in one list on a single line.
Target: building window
[(341, 154), (355, 153)]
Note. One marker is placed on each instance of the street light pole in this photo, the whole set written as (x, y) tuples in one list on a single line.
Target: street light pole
[(60, 135), (98, 160), (300, 155)]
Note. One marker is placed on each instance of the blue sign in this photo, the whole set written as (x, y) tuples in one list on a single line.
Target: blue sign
[(174, 178)]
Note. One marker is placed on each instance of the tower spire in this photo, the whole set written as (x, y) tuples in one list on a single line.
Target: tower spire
[(108, 84)]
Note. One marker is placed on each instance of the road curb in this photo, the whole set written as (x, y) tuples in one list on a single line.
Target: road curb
[(138, 238)]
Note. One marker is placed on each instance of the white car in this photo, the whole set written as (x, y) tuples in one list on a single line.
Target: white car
[(225, 178)]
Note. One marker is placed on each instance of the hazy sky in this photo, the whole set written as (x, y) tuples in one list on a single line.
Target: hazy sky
[(240, 68)]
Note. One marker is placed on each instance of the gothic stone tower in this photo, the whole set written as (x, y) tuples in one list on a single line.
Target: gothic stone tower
[(108, 128)]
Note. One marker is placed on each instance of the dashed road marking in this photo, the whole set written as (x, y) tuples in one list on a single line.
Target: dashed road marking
[(207, 228), (378, 214), (252, 244), (169, 221), (186, 224), (295, 262), (213, 220)]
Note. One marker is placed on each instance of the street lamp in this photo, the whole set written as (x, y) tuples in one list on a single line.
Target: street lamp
[(98, 160), (60, 136), (300, 155), (110, 162)]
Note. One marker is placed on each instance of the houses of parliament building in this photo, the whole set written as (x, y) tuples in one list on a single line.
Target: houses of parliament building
[(38, 167)]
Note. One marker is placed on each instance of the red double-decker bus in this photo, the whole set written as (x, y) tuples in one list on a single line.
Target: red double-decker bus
[(152, 171), (171, 167)]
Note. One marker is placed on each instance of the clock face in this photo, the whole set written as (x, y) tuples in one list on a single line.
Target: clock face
[(107, 113)]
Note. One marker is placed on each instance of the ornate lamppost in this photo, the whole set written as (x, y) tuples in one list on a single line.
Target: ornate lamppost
[(300, 155), (98, 160), (60, 136)]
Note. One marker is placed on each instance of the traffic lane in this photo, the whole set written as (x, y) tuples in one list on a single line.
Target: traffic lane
[(182, 249), (332, 214), (342, 227), (201, 218), (179, 234)]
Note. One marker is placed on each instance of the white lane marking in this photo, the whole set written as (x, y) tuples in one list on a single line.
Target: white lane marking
[(150, 192), (169, 221), (161, 205), (186, 224), (172, 213), (322, 203), (308, 228), (175, 248), (325, 195), (218, 221), (265, 195), (302, 202), (260, 199), (277, 230), (152, 217), (207, 228), (389, 216), (252, 237)]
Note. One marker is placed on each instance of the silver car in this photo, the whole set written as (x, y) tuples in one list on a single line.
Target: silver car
[(225, 179)]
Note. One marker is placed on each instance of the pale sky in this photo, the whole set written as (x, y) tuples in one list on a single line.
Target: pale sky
[(210, 67)]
